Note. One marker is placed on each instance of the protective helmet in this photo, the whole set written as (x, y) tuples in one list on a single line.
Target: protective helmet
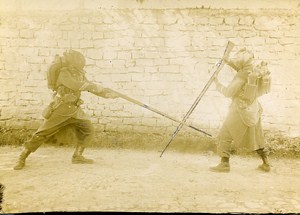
[(75, 59)]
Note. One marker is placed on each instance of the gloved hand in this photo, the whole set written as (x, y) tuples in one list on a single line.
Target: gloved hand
[(226, 58), (94, 88), (110, 94)]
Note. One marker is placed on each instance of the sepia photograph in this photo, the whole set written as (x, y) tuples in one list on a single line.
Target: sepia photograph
[(153, 106)]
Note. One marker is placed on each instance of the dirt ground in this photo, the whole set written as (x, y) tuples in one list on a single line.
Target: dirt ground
[(127, 180)]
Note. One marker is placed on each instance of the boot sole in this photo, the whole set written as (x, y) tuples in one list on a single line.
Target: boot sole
[(224, 171), (80, 162), (263, 170), (220, 171)]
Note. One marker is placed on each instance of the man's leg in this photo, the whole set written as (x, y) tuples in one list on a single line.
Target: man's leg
[(224, 149), (78, 158), (37, 140), (265, 166), (30, 146), (85, 133), (22, 157)]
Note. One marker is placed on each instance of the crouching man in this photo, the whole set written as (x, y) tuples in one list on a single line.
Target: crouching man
[(67, 80)]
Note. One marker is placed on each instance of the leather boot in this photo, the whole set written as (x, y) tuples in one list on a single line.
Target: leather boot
[(265, 166), (21, 162), (223, 166), (77, 157)]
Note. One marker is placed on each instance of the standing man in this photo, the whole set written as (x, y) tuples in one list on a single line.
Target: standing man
[(64, 112), (243, 122)]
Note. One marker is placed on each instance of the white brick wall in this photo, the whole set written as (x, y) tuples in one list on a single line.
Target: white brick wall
[(157, 53)]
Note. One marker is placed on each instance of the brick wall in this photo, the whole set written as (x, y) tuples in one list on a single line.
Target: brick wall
[(159, 54)]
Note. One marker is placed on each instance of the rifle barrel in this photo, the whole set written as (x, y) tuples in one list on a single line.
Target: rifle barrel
[(158, 112)]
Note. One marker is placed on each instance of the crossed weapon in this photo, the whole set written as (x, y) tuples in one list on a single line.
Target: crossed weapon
[(219, 65)]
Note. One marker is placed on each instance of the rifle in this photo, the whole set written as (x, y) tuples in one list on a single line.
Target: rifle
[(220, 65), (155, 110)]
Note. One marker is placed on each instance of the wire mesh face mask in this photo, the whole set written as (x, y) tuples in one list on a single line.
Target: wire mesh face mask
[(242, 58), (76, 59)]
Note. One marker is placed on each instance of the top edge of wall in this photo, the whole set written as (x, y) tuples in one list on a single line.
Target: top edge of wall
[(71, 5)]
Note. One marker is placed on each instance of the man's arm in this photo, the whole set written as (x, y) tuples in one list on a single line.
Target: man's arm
[(231, 89), (67, 80)]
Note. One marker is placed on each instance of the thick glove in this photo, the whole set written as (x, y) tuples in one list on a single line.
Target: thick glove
[(110, 94), (94, 88), (219, 86), (226, 59)]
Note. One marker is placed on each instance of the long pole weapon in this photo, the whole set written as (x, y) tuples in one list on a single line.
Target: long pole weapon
[(228, 49), (156, 111)]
